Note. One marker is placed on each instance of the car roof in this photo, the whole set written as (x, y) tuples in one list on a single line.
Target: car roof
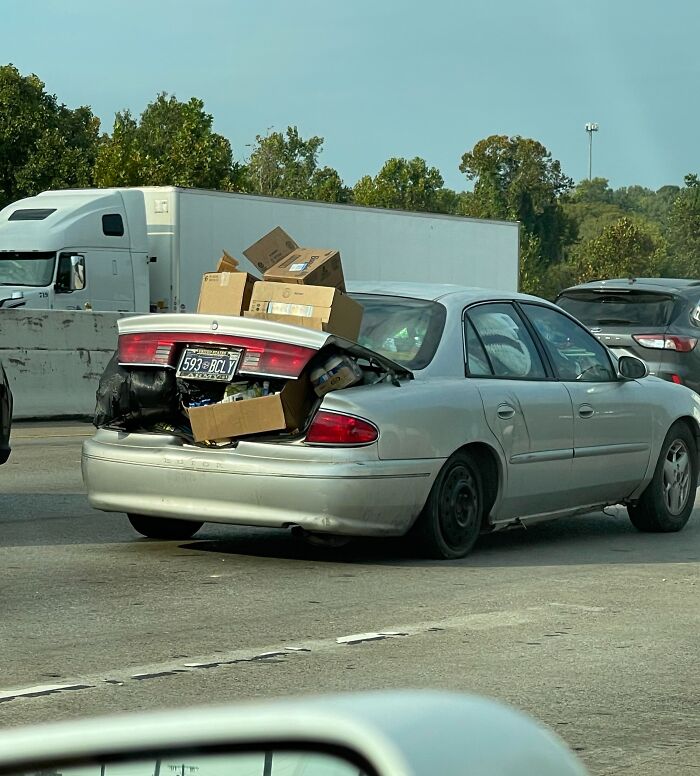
[(680, 285), (435, 291)]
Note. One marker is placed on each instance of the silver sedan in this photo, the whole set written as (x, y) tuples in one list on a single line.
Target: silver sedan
[(479, 410)]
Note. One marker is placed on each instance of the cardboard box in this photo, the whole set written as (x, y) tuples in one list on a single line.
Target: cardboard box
[(283, 411), (309, 266), (225, 293), (293, 320), (337, 313), (227, 263), (270, 249)]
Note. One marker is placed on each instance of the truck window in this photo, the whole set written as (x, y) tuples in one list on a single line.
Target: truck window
[(113, 225), (31, 214)]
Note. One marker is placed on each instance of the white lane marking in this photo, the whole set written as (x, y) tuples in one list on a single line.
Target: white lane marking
[(39, 689), (358, 638), (480, 621)]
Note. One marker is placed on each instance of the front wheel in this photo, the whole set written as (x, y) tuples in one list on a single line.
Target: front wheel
[(666, 504), (451, 520), (164, 527)]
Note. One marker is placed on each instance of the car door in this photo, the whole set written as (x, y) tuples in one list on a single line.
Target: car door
[(528, 411), (612, 417)]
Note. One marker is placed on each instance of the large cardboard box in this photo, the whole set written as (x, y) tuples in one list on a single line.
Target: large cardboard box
[(310, 305), (310, 266), (270, 249), (225, 293), (286, 410)]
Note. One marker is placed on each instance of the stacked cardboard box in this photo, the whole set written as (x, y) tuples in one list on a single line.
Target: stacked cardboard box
[(300, 286)]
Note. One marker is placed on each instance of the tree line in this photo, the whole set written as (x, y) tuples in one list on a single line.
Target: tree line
[(570, 233)]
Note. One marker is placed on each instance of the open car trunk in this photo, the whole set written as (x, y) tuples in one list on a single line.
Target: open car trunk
[(215, 379)]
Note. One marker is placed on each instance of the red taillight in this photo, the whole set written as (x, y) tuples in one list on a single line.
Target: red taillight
[(676, 379), (146, 349), (272, 359), (666, 342), (332, 428)]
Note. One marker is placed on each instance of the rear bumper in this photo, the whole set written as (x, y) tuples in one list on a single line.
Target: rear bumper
[(256, 484)]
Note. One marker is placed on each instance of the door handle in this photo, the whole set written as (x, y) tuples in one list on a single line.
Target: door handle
[(586, 411), (505, 411)]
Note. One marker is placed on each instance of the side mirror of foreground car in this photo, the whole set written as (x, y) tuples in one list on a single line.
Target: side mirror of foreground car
[(632, 368), (376, 734)]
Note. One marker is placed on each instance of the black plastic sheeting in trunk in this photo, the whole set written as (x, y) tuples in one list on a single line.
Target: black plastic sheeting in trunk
[(136, 397)]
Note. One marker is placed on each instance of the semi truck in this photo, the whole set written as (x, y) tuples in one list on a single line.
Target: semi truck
[(146, 249)]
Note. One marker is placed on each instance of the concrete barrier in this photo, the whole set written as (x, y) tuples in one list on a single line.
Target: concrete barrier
[(54, 359)]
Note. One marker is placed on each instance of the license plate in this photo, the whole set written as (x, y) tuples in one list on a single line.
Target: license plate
[(208, 364)]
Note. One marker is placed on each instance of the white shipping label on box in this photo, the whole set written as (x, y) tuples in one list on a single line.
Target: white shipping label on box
[(282, 308), (299, 267)]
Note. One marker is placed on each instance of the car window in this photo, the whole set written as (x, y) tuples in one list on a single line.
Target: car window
[(624, 308), (407, 331), (509, 346), (575, 354), (477, 361)]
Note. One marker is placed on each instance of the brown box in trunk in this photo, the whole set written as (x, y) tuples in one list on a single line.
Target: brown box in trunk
[(285, 411), (315, 307), (225, 293), (270, 249), (309, 266)]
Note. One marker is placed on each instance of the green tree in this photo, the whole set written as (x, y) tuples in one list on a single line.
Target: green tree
[(404, 184), (172, 144), (43, 144), (286, 165), (684, 227), (626, 248), (515, 178)]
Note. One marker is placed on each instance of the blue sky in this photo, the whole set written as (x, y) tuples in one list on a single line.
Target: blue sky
[(381, 78)]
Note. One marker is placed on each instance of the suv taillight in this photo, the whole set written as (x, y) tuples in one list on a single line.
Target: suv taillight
[(334, 428), (666, 342), (271, 359)]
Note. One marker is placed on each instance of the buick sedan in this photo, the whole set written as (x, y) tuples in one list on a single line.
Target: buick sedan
[(478, 410)]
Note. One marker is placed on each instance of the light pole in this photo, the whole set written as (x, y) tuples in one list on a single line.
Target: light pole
[(590, 128)]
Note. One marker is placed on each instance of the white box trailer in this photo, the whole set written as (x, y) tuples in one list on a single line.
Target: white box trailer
[(146, 248)]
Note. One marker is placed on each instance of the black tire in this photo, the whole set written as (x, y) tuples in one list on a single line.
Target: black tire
[(164, 527), (451, 520), (667, 503)]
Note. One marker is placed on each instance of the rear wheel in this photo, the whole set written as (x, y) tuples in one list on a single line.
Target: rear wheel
[(164, 527), (668, 500), (451, 520)]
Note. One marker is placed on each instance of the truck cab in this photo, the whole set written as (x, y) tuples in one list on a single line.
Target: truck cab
[(75, 250)]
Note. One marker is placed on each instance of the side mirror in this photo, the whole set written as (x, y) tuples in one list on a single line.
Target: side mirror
[(71, 273), (632, 368), (77, 273), (333, 736)]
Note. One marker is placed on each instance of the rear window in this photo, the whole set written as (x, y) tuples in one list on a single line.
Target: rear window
[(407, 331), (633, 308)]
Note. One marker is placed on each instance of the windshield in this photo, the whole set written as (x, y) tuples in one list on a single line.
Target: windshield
[(405, 330), (26, 269), (639, 308)]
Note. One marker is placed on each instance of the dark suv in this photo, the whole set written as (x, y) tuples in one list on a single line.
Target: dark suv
[(5, 416), (656, 319)]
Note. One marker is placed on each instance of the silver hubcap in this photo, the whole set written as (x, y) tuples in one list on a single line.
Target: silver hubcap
[(676, 482)]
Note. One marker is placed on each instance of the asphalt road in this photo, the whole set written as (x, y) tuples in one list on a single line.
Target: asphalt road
[(584, 623)]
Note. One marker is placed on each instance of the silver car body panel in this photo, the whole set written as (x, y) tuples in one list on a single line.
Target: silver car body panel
[(568, 446)]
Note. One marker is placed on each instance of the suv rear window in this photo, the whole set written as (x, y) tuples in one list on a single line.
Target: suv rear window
[(624, 308)]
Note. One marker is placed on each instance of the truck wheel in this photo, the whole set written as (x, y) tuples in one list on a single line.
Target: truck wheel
[(451, 520), (668, 500), (164, 527)]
